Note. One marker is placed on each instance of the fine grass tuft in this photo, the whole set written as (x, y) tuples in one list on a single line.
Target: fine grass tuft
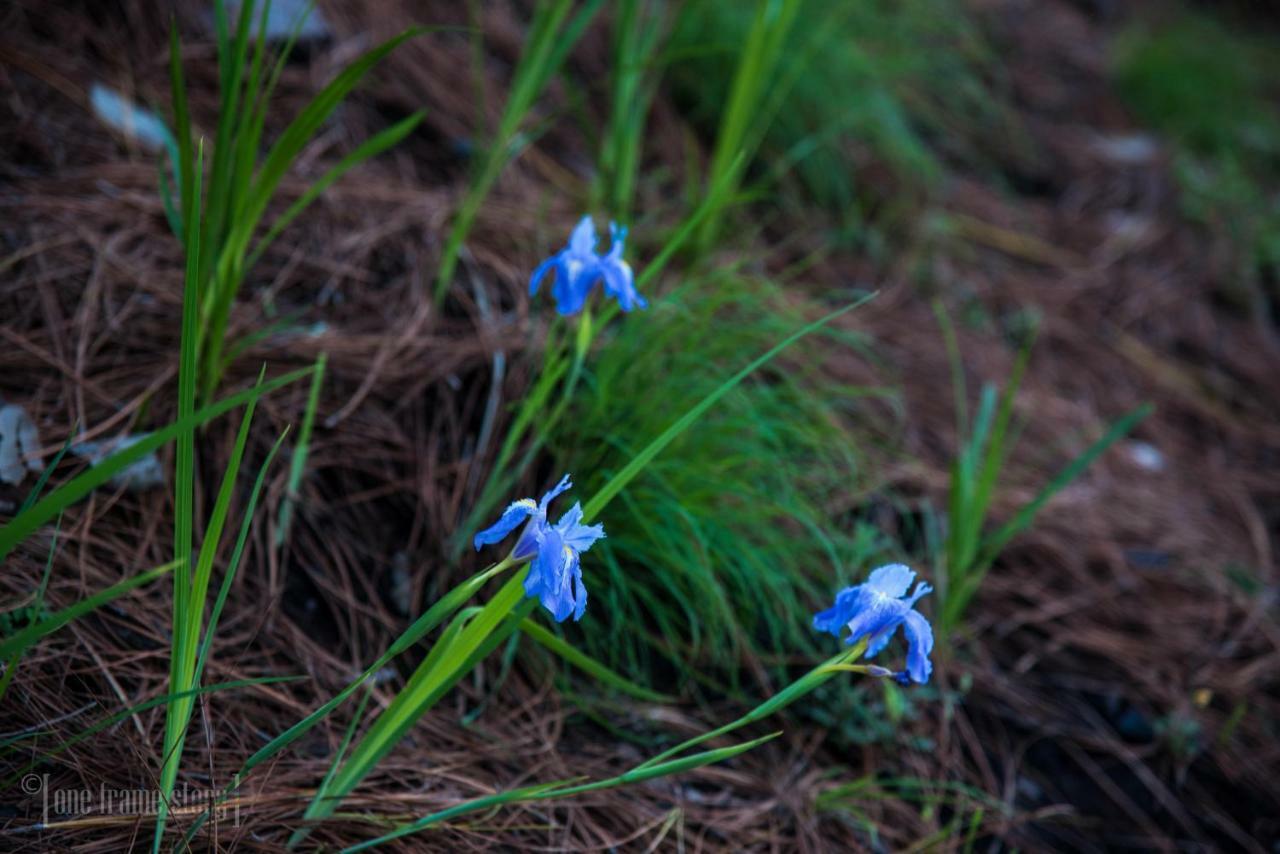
[(724, 544)]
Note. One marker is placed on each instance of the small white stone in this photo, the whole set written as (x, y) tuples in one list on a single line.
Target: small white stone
[(1146, 455)]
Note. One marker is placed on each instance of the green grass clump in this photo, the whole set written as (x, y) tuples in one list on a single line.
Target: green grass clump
[(1203, 84), (904, 82), (242, 181), (721, 548), (986, 441), (1210, 88)]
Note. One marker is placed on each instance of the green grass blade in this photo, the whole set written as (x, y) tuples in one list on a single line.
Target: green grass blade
[(615, 485), (182, 128), (184, 507), (34, 494), (547, 45), (234, 564), (371, 147), (304, 127), (566, 789), (23, 525), (697, 760), (1023, 518), (298, 462), (752, 82), (994, 460), (20, 641), (231, 59)]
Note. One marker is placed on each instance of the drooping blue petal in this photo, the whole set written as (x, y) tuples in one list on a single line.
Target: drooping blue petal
[(835, 618), (892, 580), (919, 646), (515, 513), (579, 589), (534, 582), (877, 642), (619, 284), (538, 274), (554, 564), (574, 277)]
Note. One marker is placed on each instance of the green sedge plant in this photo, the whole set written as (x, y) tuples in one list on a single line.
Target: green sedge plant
[(191, 579), (638, 30), (242, 182), (968, 548), (757, 84)]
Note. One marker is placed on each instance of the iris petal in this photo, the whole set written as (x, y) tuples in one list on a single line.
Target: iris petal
[(563, 485), (579, 590), (892, 580), (618, 284), (834, 619), (515, 513), (583, 239), (536, 279), (919, 645), (877, 642), (570, 289), (879, 614), (580, 537), (550, 564)]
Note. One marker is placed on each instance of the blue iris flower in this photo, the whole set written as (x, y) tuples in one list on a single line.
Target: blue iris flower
[(555, 576), (875, 609), (578, 267)]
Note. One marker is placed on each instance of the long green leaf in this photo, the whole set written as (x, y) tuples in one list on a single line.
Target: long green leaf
[(184, 609), (23, 639), (589, 665), (371, 147), (1023, 518), (233, 565), (566, 789)]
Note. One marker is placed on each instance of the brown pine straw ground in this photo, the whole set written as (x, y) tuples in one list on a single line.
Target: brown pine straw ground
[(1137, 617)]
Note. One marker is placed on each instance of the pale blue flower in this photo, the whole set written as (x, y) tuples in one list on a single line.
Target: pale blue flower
[(555, 575), (578, 267), (874, 610)]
